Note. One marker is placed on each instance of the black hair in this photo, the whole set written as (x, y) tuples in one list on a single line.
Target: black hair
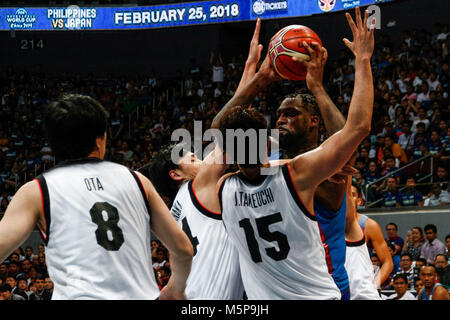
[(5, 287), (309, 102), (422, 260), (392, 224), (440, 254), (419, 229), (73, 122), (405, 254), (401, 276), (40, 277), (447, 237), (416, 279), (159, 169), (358, 188), (246, 119), (430, 227)]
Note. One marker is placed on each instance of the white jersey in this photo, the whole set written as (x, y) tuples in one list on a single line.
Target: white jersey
[(360, 271), (215, 273), (98, 232), (281, 252)]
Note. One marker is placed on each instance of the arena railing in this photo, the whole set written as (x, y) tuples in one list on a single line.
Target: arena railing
[(392, 173)]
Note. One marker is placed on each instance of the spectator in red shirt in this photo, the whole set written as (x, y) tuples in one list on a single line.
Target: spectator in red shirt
[(393, 238)]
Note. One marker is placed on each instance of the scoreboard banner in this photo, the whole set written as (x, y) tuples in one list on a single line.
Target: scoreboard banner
[(160, 16)]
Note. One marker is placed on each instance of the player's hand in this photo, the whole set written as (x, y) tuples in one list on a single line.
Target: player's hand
[(363, 38), (341, 175), (170, 292), (267, 71), (254, 54), (315, 66)]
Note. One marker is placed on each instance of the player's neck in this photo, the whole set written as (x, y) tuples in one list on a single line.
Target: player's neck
[(95, 154)]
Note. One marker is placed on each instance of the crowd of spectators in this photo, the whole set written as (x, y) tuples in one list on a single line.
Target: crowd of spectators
[(24, 276), (410, 121), (420, 247)]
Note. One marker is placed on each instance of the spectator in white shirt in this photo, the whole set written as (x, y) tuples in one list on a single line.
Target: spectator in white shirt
[(424, 94), (406, 139), (433, 81), (401, 288), (438, 196), (421, 117)]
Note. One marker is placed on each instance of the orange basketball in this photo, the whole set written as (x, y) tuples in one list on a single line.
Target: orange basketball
[(287, 43)]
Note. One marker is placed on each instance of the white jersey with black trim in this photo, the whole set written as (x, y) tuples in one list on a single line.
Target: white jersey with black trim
[(360, 271), (215, 273), (98, 232), (281, 252)]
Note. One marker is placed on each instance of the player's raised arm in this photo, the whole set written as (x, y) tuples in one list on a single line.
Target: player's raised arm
[(337, 150), (174, 239), (265, 76), (332, 117), (254, 55)]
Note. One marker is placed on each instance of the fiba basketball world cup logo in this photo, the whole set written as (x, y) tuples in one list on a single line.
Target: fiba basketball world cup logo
[(21, 20), (326, 5)]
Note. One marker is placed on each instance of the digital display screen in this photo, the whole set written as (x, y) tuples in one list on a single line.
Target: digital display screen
[(160, 16)]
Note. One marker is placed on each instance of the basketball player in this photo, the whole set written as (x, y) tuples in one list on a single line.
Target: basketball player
[(357, 262), (432, 290), (374, 237), (271, 204), (95, 216), (213, 249), (298, 121)]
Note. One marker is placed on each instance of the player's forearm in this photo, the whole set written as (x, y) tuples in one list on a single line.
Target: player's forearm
[(332, 117), (361, 106), (245, 98), (385, 271), (247, 76), (180, 264)]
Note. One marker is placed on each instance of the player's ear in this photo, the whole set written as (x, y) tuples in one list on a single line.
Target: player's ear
[(315, 120), (360, 201), (175, 175)]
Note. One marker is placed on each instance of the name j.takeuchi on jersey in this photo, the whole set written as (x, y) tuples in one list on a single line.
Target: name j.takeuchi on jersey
[(98, 232), (280, 247), (215, 273)]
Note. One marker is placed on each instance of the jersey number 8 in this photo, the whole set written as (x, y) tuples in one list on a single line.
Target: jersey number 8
[(104, 226)]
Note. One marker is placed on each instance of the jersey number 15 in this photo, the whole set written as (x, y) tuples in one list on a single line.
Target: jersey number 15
[(262, 225)]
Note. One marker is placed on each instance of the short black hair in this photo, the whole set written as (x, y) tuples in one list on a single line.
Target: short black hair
[(309, 102), (431, 227), (440, 254), (240, 118), (5, 287), (447, 237), (392, 224), (358, 188), (40, 277), (73, 122), (158, 171), (401, 276), (406, 254), (423, 260)]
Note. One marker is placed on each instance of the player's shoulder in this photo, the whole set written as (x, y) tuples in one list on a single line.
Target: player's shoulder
[(226, 176)]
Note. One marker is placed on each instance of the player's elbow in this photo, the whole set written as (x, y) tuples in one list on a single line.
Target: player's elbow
[(186, 251), (362, 129)]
